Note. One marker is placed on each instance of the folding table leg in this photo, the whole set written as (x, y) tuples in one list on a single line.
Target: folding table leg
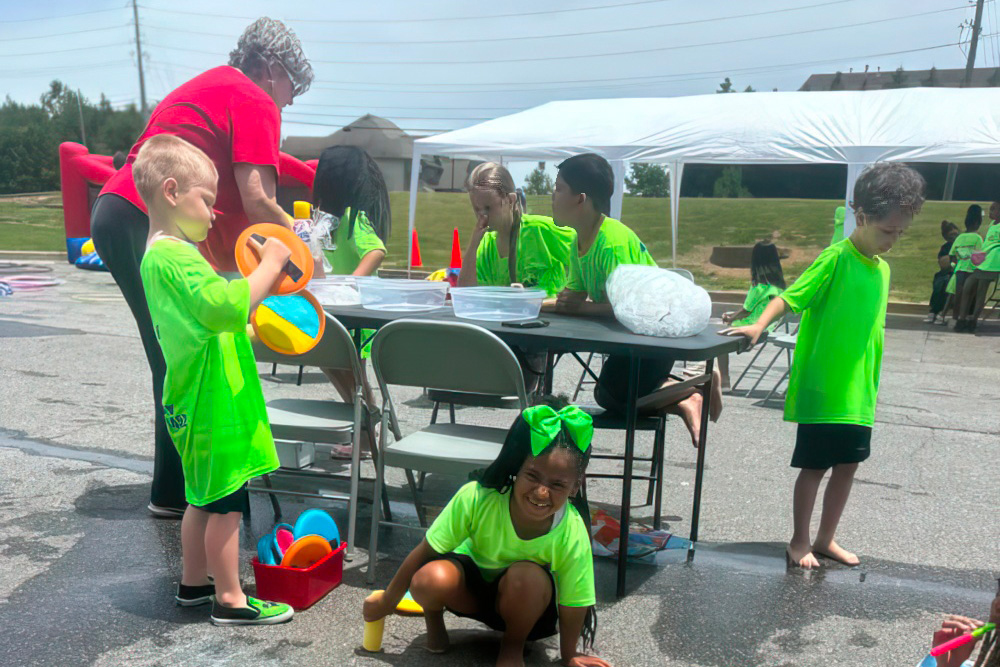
[(275, 506), (658, 499), (376, 520), (630, 419), (702, 441), (421, 513)]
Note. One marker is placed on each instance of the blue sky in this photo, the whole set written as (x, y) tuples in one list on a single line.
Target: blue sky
[(435, 65)]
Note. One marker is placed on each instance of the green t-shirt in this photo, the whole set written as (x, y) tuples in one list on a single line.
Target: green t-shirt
[(991, 246), (615, 244), (543, 256), (963, 247), (477, 523), (756, 302), (212, 398), (838, 354), (348, 251)]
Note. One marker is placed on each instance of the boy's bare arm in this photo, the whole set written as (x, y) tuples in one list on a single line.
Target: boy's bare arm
[(774, 310)]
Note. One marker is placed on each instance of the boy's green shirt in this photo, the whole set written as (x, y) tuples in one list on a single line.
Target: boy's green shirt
[(212, 397)]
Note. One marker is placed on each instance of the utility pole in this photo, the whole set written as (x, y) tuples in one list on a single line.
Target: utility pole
[(977, 27), (970, 64), (138, 56), (79, 106)]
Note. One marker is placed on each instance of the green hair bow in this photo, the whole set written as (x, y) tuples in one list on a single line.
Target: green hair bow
[(545, 424)]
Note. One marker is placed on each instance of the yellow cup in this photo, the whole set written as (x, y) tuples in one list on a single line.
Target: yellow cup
[(372, 640)]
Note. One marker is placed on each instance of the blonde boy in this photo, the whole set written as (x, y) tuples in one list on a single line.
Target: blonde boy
[(212, 399)]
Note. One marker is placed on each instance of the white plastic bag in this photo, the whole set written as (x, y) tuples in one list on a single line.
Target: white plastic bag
[(655, 302)]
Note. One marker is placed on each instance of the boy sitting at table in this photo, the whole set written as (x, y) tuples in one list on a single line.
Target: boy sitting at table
[(582, 200)]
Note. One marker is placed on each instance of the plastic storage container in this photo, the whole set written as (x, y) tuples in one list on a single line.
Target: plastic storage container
[(300, 588), (497, 304), (336, 290), (401, 294)]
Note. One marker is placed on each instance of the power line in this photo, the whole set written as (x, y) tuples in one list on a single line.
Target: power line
[(653, 79), (478, 17), (635, 81), (34, 72), (63, 16), (658, 49), (62, 34), (49, 53), (512, 38)]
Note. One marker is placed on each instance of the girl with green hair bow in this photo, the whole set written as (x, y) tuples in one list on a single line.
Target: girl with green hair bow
[(509, 550)]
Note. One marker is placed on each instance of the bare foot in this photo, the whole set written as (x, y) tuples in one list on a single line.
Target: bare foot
[(690, 411), (511, 656), (798, 555), (437, 633), (835, 552)]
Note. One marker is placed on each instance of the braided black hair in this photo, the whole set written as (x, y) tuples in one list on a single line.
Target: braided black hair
[(348, 177)]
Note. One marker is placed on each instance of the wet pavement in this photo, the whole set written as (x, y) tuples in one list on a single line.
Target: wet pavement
[(86, 577)]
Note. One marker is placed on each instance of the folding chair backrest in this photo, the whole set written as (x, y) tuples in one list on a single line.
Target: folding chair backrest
[(335, 350), (683, 272), (453, 356)]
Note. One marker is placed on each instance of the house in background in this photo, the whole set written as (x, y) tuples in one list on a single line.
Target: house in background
[(392, 149), (982, 77)]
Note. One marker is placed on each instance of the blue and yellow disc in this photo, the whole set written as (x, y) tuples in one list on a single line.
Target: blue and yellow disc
[(291, 324)]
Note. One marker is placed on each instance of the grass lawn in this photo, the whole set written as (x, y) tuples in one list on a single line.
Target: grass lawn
[(803, 226), (32, 223)]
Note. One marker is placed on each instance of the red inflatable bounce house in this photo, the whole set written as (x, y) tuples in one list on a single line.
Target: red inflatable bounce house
[(82, 176)]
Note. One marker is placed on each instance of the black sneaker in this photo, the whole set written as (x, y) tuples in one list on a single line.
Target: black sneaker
[(194, 596), (257, 612)]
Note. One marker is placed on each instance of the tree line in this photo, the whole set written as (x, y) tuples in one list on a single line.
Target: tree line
[(30, 135)]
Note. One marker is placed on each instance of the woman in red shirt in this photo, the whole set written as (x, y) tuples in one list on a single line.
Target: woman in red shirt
[(233, 114)]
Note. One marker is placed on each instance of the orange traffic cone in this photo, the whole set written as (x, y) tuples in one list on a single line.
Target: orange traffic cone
[(415, 260), (456, 251)]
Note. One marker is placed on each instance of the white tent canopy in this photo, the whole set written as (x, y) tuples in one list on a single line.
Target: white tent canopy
[(953, 125)]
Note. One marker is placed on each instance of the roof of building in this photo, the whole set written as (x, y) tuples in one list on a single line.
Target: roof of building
[(381, 138), (982, 77)]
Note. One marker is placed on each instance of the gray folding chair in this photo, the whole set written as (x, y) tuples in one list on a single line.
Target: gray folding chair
[(785, 323), (452, 356), (330, 422), (786, 343)]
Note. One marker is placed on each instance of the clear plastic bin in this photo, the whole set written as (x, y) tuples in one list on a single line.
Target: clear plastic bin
[(497, 304), (398, 294), (335, 290)]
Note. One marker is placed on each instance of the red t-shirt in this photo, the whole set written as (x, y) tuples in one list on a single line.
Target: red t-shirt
[(232, 119)]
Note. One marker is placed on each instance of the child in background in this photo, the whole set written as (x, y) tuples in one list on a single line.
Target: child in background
[(939, 287), (212, 398), (508, 246), (972, 297), (833, 385), (350, 194), (582, 200), (766, 282), (509, 550), (961, 254)]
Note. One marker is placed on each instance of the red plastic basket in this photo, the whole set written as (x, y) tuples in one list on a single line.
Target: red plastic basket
[(301, 588)]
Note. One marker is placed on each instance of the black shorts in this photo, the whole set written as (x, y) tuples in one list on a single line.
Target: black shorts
[(822, 446), (237, 501), (611, 391), (487, 591)]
